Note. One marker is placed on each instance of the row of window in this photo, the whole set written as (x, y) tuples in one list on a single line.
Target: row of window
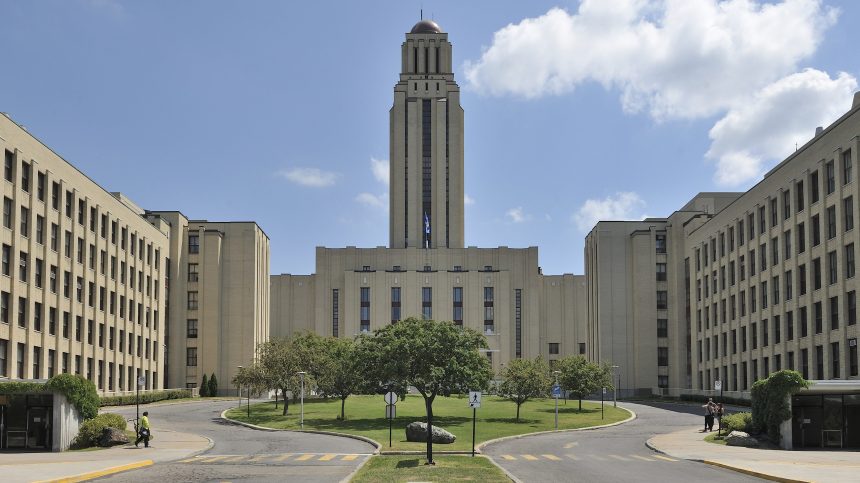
[(101, 378), (740, 382), (703, 254)]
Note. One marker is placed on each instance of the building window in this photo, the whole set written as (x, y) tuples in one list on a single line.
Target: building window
[(846, 167), (660, 243), (191, 356), (852, 357), (831, 176), (335, 313), (518, 323), (662, 299), (427, 303), (8, 167), (816, 230), (191, 331), (192, 301), (662, 356), (395, 306), (192, 272), (582, 347), (661, 272), (458, 306), (662, 327), (817, 314), (489, 310), (553, 348), (193, 244), (364, 310), (851, 307)]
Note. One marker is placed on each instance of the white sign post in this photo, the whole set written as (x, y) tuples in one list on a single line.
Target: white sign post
[(474, 403), (718, 385), (390, 411)]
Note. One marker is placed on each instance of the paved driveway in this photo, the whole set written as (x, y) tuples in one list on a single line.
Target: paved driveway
[(611, 454), (246, 454)]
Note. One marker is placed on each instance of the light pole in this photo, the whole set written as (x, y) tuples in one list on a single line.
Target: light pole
[(302, 378), (556, 373), (615, 391)]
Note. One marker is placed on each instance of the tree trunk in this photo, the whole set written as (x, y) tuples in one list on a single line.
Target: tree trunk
[(276, 399), (580, 404), (286, 401), (428, 403), (518, 411), (342, 404)]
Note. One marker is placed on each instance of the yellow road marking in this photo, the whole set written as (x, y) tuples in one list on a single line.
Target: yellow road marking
[(283, 457), (305, 457), (211, 459), (663, 458), (620, 458), (572, 456), (104, 472), (328, 457), (508, 457), (571, 445), (641, 457), (529, 457), (189, 460), (259, 458), (349, 457), (551, 457), (234, 459)]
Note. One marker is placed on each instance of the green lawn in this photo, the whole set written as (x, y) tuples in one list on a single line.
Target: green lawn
[(365, 416), (713, 438), (447, 468)]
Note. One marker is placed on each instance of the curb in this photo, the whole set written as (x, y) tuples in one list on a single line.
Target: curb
[(376, 444), (764, 476), (757, 474), (480, 446), (98, 474), (505, 471)]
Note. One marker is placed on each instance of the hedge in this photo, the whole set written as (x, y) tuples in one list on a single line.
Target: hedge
[(738, 422), (146, 397), (80, 392)]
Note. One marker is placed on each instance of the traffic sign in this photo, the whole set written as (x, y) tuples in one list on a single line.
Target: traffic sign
[(556, 390), (141, 381), (390, 412), (474, 399), (390, 398), (604, 390), (718, 385)]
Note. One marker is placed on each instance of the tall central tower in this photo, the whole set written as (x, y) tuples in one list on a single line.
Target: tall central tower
[(426, 145)]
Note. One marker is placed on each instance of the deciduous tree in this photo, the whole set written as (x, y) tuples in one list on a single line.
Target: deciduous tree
[(524, 379)]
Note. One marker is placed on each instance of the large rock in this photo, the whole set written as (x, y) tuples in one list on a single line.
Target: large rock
[(739, 438), (417, 432), (112, 437)]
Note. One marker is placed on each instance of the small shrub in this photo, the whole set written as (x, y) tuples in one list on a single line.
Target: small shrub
[(204, 387), (91, 429), (738, 422), (213, 386)]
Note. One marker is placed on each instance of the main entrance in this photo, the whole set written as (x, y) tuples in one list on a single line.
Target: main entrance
[(825, 421), (26, 422)]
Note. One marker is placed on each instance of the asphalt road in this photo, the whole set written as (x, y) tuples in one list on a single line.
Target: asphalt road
[(611, 454), (244, 454)]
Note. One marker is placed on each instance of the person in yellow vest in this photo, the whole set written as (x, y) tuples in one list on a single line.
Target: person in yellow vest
[(143, 431)]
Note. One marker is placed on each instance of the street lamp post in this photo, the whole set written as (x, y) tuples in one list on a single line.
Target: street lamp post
[(302, 378), (615, 391), (556, 373)]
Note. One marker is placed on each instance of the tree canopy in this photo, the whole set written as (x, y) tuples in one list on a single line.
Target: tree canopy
[(524, 379), (437, 358), (583, 378)]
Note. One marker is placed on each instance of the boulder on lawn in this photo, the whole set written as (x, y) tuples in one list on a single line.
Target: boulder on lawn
[(740, 438), (112, 437), (417, 432)]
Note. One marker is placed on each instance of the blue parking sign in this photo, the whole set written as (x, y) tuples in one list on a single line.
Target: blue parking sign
[(556, 391)]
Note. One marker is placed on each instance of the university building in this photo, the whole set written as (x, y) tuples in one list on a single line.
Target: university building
[(427, 271)]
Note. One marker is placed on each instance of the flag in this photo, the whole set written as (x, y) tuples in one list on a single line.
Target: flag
[(426, 224)]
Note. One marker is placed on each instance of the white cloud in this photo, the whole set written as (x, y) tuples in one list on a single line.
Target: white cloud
[(673, 58), (380, 170), (517, 215), (780, 115), (312, 177), (468, 200), (372, 200), (621, 206)]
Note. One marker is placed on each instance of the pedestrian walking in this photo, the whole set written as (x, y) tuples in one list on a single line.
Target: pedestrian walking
[(143, 431)]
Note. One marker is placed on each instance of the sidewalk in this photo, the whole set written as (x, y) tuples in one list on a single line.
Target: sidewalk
[(775, 465), (83, 465)]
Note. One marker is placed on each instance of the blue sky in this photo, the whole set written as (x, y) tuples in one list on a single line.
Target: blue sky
[(277, 111)]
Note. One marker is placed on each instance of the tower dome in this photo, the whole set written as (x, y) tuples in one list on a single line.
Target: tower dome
[(426, 27)]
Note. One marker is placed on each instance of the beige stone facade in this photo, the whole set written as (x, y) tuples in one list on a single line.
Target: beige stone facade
[(773, 282), (219, 304), (83, 274)]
